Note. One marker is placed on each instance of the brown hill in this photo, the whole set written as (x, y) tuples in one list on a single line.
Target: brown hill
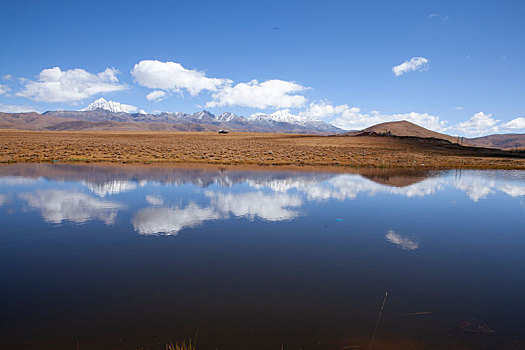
[(29, 121), (406, 128), (502, 141), (35, 121)]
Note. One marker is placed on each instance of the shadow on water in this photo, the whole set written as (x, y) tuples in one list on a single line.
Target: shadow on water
[(125, 257)]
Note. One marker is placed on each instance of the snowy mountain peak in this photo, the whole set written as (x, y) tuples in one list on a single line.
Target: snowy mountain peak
[(282, 116), (111, 106), (227, 117)]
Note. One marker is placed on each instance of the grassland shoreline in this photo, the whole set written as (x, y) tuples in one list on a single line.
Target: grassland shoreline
[(249, 150)]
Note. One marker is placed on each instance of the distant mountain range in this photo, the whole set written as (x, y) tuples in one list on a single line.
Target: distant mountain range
[(111, 115)]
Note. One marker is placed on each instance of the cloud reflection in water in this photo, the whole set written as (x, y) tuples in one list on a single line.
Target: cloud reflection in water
[(403, 242), (60, 205)]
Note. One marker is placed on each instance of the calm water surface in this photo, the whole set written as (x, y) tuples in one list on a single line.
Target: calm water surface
[(97, 257)]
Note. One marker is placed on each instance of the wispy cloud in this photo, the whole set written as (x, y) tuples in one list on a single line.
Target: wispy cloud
[(414, 64), (4, 89), (404, 243), (17, 109)]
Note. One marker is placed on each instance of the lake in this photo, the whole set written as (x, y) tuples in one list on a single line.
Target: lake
[(124, 257)]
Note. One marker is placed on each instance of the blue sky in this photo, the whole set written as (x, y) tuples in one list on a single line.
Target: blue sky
[(331, 60)]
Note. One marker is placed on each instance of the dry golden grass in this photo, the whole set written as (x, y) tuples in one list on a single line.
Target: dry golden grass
[(246, 149)]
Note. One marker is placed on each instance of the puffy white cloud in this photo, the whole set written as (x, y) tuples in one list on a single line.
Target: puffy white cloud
[(271, 93), (169, 221), (515, 124), (4, 89), (17, 109), (480, 123), (413, 64), (172, 76), (55, 85), (353, 119), (323, 109), (458, 108), (59, 205), (270, 207), (404, 243), (157, 95), (154, 200)]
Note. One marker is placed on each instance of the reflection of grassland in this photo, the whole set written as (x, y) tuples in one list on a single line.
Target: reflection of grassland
[(246, 149)]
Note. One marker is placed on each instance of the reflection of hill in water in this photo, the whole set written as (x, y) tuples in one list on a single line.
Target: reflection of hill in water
[(109, 179), (398, 177)]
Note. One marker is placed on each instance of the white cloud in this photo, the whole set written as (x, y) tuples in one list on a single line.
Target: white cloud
[(270, 207), (515, 124), (404, 243), (59, 205), (458, 108), (480, 123), (169, 221), (7, 77), (157, 95), (3, 199), (432, 15), (413, 64), (154, 200), (4, 89), (55, 85), (353, 119), (172, 76), (271, 93), (16, 109), (323, 109)]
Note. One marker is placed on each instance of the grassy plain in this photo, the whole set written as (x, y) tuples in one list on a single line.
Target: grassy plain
[(248, 149)]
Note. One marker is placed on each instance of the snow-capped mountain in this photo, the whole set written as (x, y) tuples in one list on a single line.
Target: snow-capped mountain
[(285, 117), (228, 117), (282, 116), (111, 106)]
